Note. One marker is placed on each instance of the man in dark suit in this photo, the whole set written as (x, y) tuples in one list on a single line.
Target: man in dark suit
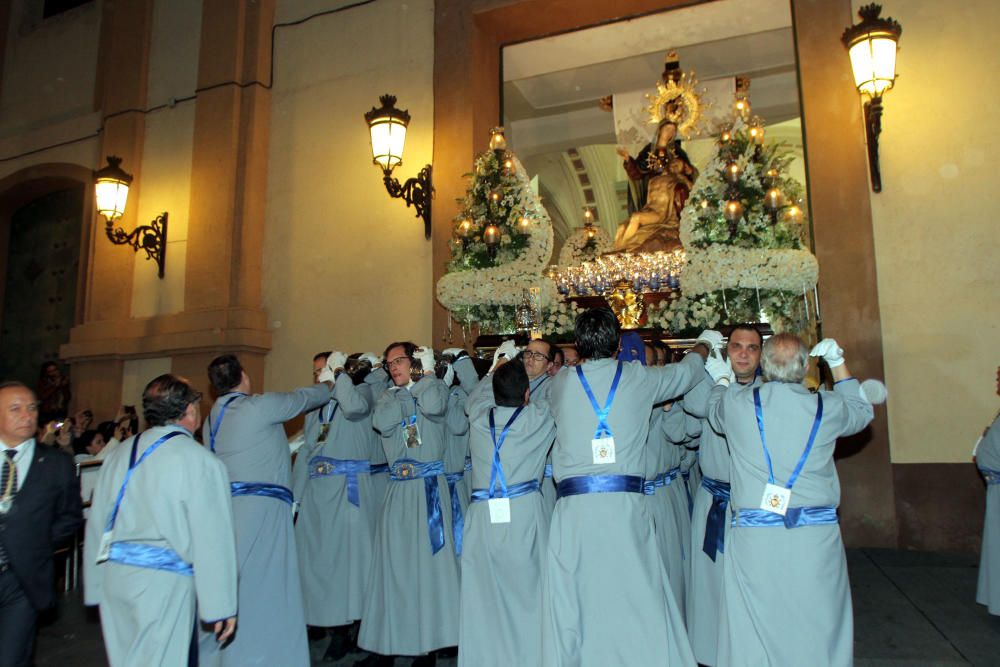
[(39, 509)]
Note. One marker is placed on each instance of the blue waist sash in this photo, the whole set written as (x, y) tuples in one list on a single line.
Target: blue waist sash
[(686, 475), (794, 518), (149, 556), (468, 464), (378, 468), (261, 489), (324, 466), (991, 476), (650, 486), (548, 470), (572, 486), (457, 521), (513, 491), (404, 470), (715, 523)]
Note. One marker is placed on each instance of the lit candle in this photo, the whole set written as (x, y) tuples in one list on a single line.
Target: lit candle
[(491, 235), (794, 213), (497, 141), (465, 228), (725, 137), (734, 210), (757, 134), (773, 199), (523, 221), (495, 195), (742, 106), (732, 172)]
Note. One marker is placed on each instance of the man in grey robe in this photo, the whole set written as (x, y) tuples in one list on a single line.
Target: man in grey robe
[(333, 490), (538, 358), (785, 594), (507, 525), (988, 460), (710, 516), (170, 554), (413, 595), (246, 433), (607, 599)]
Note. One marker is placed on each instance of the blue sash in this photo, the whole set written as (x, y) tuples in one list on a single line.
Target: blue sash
[(795, 517), (149, 556), (513, 491), (548, 470), (457, 521), (650, 486), (991, 476), (468, 464), (134, 553), (686, 475), (324, 466), (213, 430), (378, 468), (261, 489), (572, 486), (404, 470), (715, 523)]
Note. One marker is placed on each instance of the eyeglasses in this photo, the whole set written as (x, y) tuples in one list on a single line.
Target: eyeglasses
[(396, 362), (537, 356)]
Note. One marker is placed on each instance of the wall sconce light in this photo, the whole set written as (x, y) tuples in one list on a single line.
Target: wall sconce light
[(111, 193), (387, 125), (871, 45)]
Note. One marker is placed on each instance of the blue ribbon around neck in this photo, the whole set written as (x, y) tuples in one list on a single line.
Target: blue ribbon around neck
[(496, 474), (213, 430), (132, 465), (758, 408), (603, 430)]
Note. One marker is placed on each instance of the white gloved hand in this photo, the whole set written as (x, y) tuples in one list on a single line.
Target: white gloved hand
[(327, 375), (454, 351), (425, 355), (832, 353), (449, 376), (336, 360), (721, 371), (371, 358), (711, 338), (507, 351)]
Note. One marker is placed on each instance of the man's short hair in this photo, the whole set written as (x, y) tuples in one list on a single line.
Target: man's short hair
[(549, 347), (784, 358), (510, 382), (597, 333), (322, 355), (748, 327), (225, 373), (166, 398), (557, 352), (409, 349)]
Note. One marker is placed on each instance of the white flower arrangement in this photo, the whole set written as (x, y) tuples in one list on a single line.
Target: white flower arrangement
[(580, 247), (560, 318), (722, 267)]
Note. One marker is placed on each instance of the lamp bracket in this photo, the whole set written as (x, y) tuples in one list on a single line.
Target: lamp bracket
[(873, 127), (416, 192), (152, 238)]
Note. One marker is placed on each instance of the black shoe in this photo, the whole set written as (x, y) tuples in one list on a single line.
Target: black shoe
[(429, 660), (447, 652), (375, 660), (340, 644)]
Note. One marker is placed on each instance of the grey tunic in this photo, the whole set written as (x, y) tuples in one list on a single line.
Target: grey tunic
[(785, 593), (661, 456), (705, 589), (502, 563), (988, 457), (456, 450), (251, 443), (540, 388), (607, 597), (177, 498), (413, 595), (334, 537), (378, 381)]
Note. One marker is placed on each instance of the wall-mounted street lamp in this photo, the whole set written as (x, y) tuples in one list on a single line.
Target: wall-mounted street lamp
[(111, 193), (387, 125), (872, 46)]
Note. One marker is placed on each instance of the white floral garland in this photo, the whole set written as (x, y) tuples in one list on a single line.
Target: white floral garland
[(725, 267), (573, 251), (503, 285), (560, 318)]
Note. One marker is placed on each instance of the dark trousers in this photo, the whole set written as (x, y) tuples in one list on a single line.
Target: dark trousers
[(17, 623)]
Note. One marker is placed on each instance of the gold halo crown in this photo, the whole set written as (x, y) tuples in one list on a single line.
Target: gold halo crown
[(676, 99)]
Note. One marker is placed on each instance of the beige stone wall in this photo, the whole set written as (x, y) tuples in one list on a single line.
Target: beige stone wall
[(345, 266), (936, 237)]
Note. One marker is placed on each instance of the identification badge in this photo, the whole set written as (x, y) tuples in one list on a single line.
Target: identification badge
[(104, 551), (412, 436), (499, 510), (604, 450), (776, 499), (324, 430)]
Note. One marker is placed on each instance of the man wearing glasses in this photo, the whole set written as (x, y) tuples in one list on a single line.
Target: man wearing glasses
[(537, 358)]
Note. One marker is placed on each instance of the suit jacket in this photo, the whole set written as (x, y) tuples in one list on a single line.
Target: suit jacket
[(46, 513)]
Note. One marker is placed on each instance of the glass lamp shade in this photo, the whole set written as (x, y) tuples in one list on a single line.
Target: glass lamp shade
[(111, 189), (491, 235), (388, 132), (871, 45)]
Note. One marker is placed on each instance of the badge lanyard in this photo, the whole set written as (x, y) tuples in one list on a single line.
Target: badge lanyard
[(132, 465), (328, 420), (532, 392), (212, 430), (758, 408), (497, 476), (409, 424), (603, 430)]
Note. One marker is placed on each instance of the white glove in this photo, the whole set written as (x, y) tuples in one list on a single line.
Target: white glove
[(720, 371), (336, 360), (454, 351), (507, 350), (832, 353), (371, 358), (449, 376), (425, 356), (711, 338), (327, 375)]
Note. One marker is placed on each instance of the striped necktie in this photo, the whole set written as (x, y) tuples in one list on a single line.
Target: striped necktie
[(8, 476)]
